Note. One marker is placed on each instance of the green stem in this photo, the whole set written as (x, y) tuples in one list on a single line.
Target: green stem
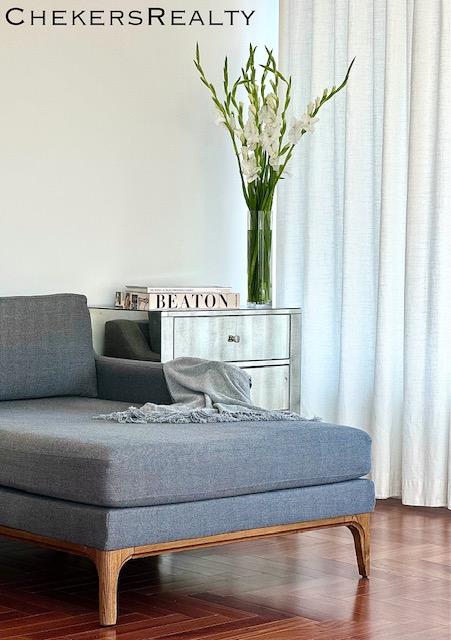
[(259, 257)]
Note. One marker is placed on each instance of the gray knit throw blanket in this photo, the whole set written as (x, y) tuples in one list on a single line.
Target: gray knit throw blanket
[(202, 391)]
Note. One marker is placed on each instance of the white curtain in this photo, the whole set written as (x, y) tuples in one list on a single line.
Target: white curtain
[(364, 230)]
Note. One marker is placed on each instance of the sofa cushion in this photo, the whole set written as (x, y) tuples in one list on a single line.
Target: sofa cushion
[(46, 347), (53, 447)]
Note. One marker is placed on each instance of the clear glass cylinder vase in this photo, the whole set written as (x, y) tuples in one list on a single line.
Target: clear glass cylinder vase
[(259, 250)]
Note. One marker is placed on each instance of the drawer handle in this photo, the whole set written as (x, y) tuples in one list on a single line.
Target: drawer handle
[(233, 339)]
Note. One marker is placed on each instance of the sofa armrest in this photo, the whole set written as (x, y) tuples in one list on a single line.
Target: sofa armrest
[(129, 339), (133, 381)]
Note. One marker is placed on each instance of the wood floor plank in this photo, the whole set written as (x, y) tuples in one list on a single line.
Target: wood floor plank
[(299, 587)]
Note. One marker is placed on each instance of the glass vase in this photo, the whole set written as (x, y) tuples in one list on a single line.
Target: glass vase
[(259, 247)]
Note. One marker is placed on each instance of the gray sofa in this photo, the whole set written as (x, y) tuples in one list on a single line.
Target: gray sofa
[(114, 492)]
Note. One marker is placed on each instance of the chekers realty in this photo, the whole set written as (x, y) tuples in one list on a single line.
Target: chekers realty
[(147, 17)]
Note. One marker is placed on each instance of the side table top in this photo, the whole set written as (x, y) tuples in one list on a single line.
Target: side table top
[(210, 312)]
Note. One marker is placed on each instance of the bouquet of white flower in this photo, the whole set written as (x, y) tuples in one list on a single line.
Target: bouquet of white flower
[(263, 144)]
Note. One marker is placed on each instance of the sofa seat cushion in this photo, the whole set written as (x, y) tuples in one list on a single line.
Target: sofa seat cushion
[(53, 447)]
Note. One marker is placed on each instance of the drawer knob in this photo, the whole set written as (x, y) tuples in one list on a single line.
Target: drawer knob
[(233, 339)]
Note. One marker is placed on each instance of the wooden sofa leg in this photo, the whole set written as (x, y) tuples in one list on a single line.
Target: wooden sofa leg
[(360, 528), (109, 564)]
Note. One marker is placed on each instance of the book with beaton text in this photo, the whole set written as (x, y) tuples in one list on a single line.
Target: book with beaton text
[(178, 299)]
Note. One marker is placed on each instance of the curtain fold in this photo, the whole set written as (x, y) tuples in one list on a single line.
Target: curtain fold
[(364, 230)]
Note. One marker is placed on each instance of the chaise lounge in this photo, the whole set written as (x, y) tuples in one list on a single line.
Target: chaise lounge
[(113, 492)]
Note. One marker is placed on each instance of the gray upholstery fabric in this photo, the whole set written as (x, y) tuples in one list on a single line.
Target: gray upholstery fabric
[(104, 528), (53, 447), (131, 381), (46, 347)]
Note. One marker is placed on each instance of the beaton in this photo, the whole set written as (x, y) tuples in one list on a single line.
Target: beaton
[(151, 16)]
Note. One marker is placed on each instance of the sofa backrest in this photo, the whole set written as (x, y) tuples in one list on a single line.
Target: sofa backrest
[(46, 347)]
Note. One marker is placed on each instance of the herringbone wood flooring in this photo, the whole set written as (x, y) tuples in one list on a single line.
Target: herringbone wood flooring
[(298, 587)]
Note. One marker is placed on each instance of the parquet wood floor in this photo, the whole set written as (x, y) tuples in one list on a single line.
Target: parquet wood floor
[(299, 587)]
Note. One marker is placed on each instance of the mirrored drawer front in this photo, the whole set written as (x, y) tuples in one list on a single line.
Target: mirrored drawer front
[(270, 386), (233, 338)]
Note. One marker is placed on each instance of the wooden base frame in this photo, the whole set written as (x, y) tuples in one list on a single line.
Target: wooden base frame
[(109, 563)]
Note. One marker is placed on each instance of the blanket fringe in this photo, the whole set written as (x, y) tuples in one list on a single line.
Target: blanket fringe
[(136, 416)]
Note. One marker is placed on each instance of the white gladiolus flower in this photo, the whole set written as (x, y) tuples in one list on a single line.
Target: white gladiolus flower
[(272, 123), (220, 120), (271, 101), (233, 123), (269, 141), (251, 111), (295, 133), (251, 132), (269, 111), (274, 161), (249, 165), (308, 123), (270, 118), (253, 177), (265, 114), (237, 130), (304, 125), (311, 108)]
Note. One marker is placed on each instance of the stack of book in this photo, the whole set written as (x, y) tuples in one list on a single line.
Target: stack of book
[(141, 298)]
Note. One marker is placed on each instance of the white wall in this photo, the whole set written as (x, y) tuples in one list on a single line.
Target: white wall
[(111, 168)]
